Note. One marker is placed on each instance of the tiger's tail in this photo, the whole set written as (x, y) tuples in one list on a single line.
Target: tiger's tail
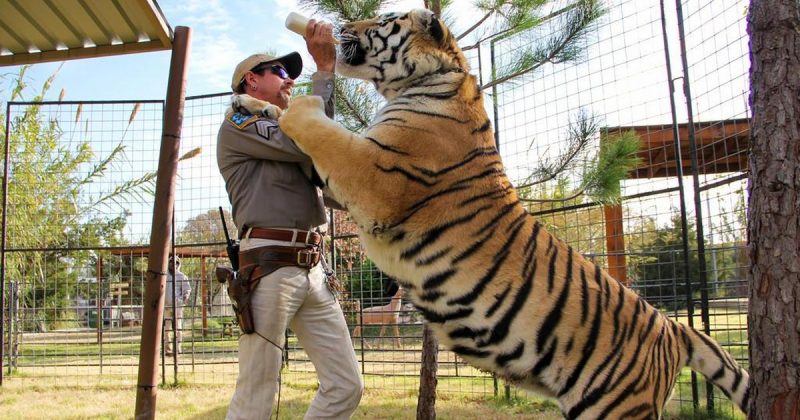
[(718, 366)]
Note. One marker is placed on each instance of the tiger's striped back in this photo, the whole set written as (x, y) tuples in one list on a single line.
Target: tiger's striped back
[(436, 211)]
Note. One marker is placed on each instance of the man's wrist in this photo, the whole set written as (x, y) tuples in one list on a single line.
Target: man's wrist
[(321, 75), (327, 68)]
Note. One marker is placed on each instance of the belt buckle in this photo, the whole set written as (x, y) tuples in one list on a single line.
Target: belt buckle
[(304, 258), (308, 238)]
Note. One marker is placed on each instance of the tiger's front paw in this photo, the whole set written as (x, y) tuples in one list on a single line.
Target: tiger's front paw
[(244, 102), (303, 116)]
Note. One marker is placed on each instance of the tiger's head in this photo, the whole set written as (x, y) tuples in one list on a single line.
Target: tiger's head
[(395, 50)]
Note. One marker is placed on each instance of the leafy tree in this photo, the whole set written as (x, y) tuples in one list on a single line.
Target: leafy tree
[(657, 266), (206, 228)]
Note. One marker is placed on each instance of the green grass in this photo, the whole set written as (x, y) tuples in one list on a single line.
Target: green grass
[(723, 408), (47, 399), (391, 378), (688, 413)]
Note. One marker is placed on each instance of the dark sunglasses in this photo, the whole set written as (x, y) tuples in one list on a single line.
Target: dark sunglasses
[(274, 68)]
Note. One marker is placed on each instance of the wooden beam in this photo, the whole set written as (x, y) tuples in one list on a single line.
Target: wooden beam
[(723, 147), (615, 243)]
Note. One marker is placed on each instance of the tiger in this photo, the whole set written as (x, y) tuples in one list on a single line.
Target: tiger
[(426, 186), (246, 104)]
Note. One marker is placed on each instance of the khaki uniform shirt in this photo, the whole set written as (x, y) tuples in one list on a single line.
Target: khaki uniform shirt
[(267, 177)]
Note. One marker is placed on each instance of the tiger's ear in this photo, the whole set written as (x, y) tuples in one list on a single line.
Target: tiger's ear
[(437, 30), (431, 24)]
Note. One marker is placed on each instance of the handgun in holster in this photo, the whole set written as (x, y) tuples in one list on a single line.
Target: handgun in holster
[(240, 289)]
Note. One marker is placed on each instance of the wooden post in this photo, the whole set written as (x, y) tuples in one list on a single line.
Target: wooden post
[(153, 305), (426, 403), (615, 243)]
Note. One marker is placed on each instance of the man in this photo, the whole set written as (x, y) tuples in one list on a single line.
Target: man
[(181, 293), (279, 210)]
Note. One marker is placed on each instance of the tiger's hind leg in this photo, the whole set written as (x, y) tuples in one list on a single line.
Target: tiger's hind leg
[(629, 397)]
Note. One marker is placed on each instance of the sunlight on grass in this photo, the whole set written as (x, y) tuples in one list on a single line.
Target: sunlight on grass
[(47, 399), (59, 375)]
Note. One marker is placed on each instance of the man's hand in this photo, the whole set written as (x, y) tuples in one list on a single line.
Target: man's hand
[(319, 41)]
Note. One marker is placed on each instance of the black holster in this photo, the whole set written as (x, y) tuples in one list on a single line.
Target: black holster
[(240, 292)]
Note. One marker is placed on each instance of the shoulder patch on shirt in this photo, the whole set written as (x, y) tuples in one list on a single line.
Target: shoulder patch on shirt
[(264, 128), (241, 121)]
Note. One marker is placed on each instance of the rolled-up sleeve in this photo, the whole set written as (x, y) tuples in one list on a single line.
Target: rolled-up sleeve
[(323, 85)]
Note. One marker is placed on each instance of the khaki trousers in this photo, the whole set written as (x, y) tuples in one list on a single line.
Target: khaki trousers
[(300, 299)]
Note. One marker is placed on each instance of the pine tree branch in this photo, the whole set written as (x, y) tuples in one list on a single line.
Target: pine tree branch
[(484, 39), (476, 25), (578, 24), (352, 108), (525, 70), (574, 195), (580, 133), (509, 31)]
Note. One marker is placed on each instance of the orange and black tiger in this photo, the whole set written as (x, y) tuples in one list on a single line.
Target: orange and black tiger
[(427, 188)]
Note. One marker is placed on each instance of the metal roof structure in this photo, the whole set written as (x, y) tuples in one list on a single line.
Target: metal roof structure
[(38, 31)]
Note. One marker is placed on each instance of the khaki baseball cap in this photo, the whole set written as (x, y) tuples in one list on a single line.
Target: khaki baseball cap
[(292, 62)]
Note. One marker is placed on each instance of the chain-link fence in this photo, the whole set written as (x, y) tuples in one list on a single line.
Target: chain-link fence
[(79, 205)]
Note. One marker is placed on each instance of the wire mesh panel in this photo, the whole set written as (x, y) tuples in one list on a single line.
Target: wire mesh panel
[(80, 183), (209, 323)]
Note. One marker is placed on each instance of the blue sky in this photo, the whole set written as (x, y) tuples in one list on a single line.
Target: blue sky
[(223, 33)]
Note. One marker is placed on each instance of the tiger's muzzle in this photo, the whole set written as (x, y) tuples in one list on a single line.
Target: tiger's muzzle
[(352, 53)]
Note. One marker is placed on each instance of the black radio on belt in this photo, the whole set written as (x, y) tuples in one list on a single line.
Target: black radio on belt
[(232, 247)]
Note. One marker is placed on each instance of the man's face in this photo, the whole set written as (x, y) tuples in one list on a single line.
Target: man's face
[(274, 86)]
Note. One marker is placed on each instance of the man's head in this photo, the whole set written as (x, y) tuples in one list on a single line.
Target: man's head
[(174, 262), (267, 78)]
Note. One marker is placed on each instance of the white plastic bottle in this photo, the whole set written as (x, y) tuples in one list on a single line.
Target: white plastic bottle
[(297, 23)]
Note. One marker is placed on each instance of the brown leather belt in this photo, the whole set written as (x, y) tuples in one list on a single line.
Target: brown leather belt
[(259, 262), (302, 236)]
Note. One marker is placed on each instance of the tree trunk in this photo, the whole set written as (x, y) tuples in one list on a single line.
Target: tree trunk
[(426, 404), (434, 6), (774, 209)]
